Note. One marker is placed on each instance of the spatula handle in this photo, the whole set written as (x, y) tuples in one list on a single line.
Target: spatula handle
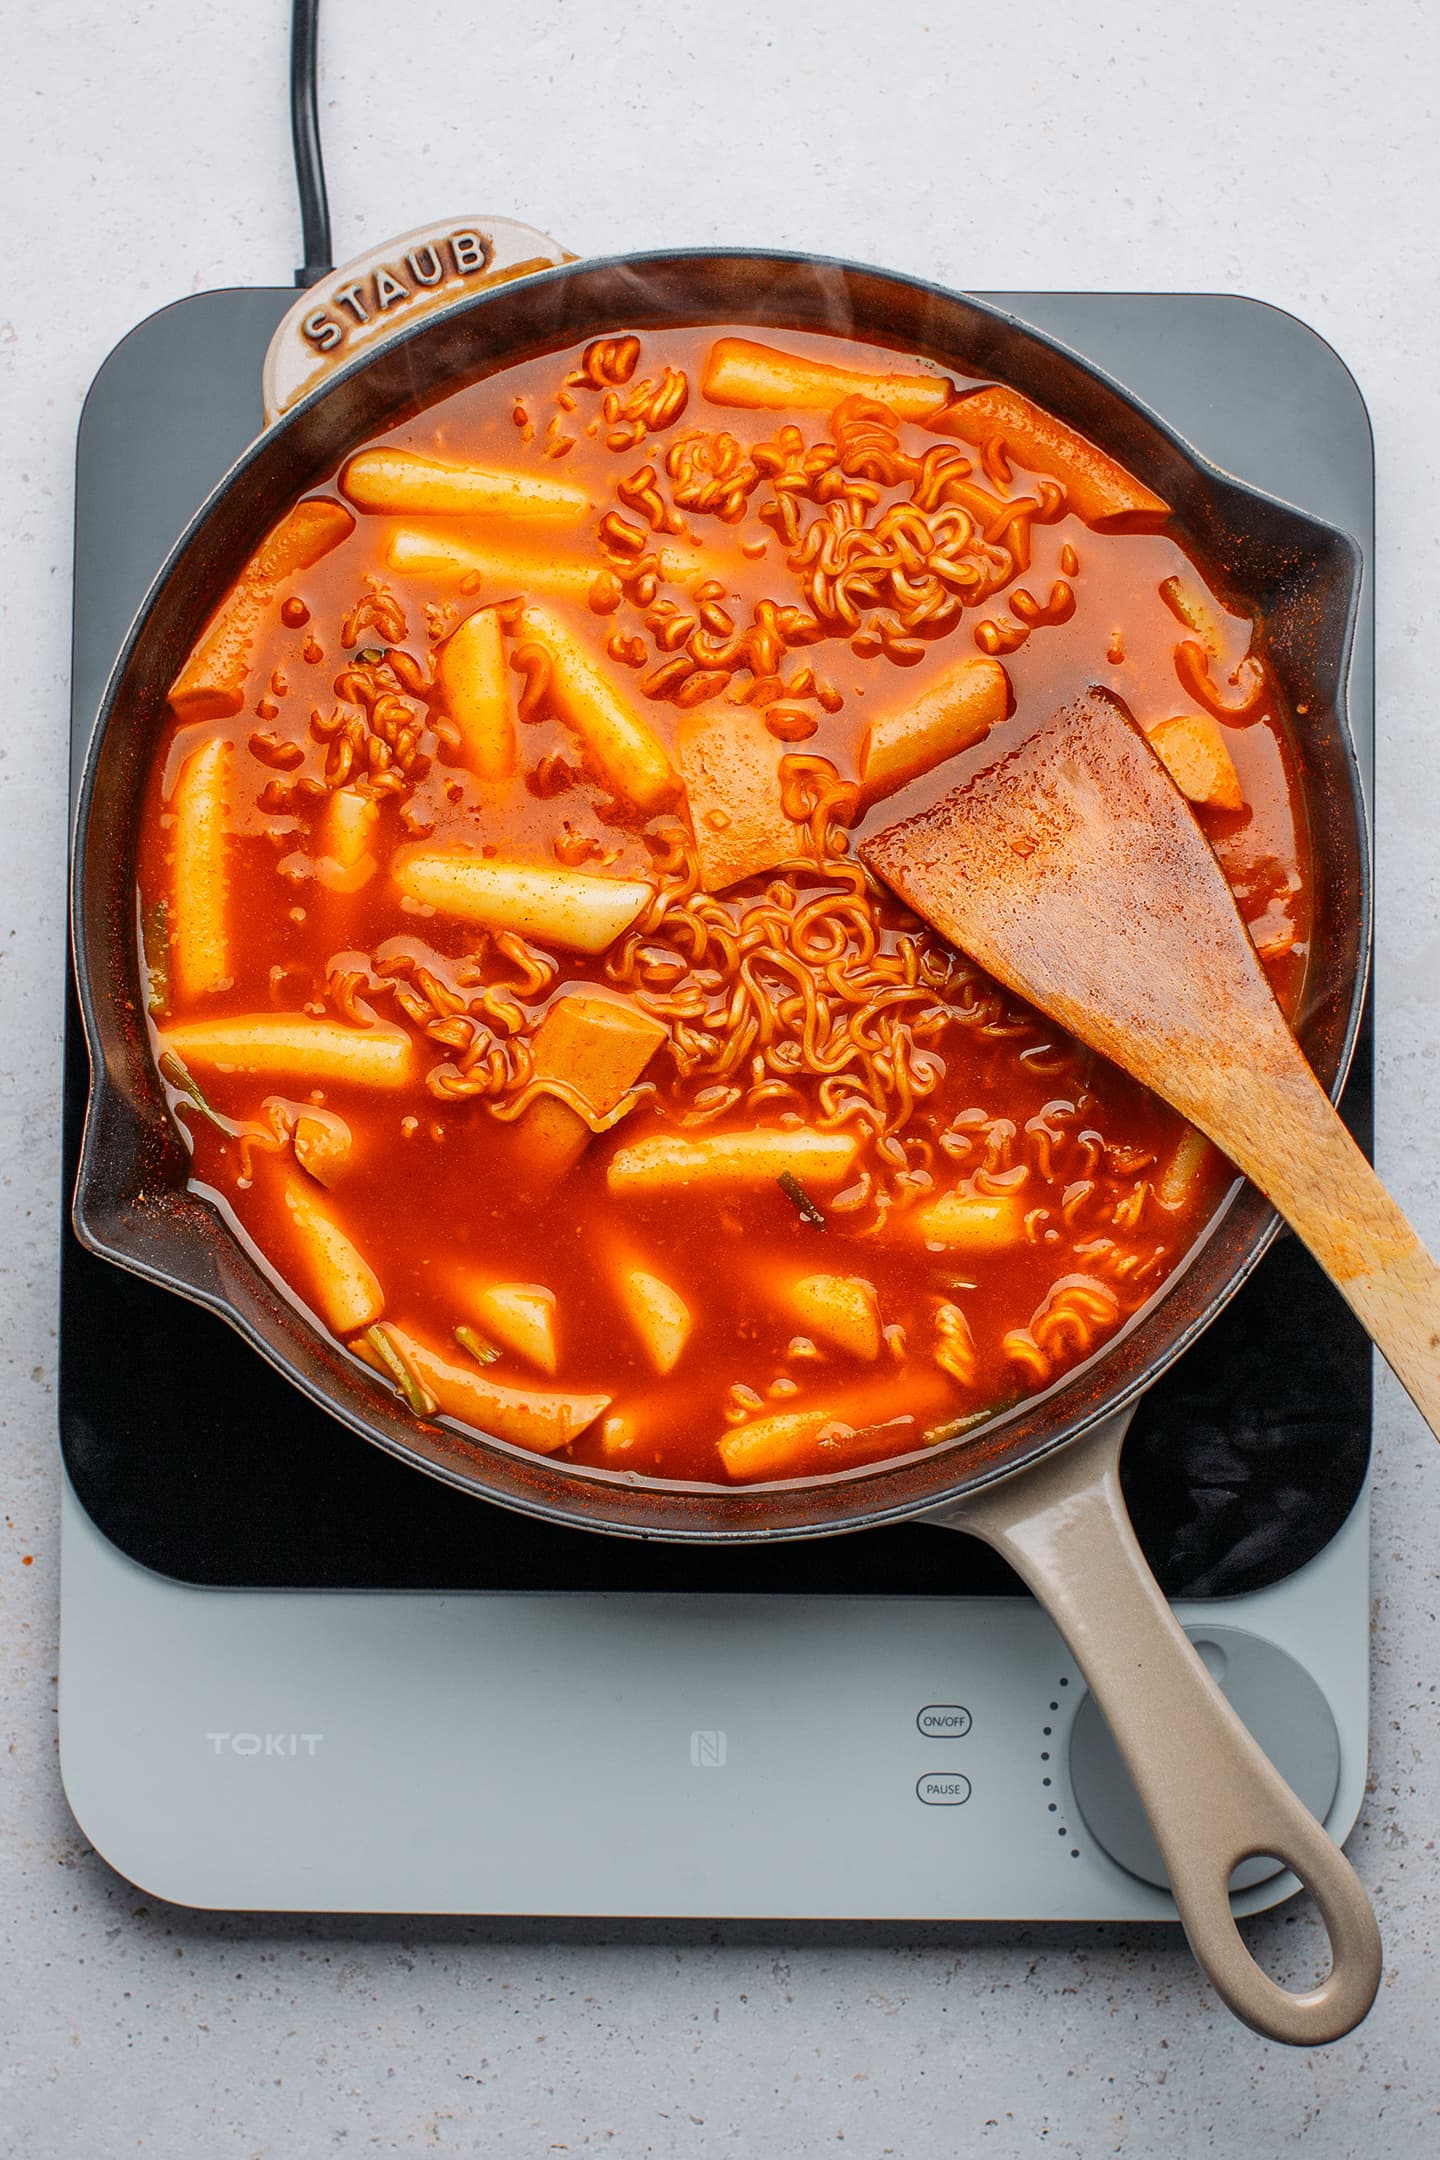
[(1291, 1141), (1212, 1796)]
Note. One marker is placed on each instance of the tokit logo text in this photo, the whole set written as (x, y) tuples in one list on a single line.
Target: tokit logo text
[(264, 1743)]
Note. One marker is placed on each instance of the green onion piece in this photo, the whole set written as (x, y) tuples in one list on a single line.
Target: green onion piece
[(155, 957), (407, 1386), (793, 1190), (483, 1352), (954, 1427), (174, 1072), (370, 655)]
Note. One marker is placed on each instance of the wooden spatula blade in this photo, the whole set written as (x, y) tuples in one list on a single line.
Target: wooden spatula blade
[(1075, 871)]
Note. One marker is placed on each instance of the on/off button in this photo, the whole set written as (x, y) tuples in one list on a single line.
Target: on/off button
[(944, 1721)]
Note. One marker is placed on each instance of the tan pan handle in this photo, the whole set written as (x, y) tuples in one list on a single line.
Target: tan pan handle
[(1211, 1795), (352, 309)]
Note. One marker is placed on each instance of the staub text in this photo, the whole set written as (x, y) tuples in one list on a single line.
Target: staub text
[(389, 285)]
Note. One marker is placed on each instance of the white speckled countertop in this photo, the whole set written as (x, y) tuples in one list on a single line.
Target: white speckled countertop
[(1287, 151)]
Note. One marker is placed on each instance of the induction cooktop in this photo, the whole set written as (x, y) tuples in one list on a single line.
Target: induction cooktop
[(296, 1673)]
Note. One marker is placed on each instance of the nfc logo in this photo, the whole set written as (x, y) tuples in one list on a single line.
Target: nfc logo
[(707, 1750)]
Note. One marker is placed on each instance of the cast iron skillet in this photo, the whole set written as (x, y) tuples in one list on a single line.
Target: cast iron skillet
[(1212, 1797)]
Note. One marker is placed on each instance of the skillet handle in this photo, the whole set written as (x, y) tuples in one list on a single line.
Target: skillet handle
[(352, 309), (1211, 1795)]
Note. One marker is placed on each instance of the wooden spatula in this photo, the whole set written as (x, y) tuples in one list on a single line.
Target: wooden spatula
[(1074, 870)]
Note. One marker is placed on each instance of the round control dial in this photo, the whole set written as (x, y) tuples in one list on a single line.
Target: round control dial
[(1275, 1698)]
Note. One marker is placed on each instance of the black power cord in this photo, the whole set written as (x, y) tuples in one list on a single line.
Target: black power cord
[(305, 134)]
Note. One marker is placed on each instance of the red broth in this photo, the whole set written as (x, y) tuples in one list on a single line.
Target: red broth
[(952, 1203)]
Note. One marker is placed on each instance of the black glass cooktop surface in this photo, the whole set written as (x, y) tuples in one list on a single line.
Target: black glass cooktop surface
[(200, 1462)]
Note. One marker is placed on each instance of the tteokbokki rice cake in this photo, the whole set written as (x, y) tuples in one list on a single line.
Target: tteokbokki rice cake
[(509, 962)]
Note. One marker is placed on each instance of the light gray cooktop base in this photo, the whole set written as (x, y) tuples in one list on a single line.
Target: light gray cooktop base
[(716, 1757)]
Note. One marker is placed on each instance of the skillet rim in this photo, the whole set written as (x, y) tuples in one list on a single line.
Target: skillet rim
[(1010, 1443)]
